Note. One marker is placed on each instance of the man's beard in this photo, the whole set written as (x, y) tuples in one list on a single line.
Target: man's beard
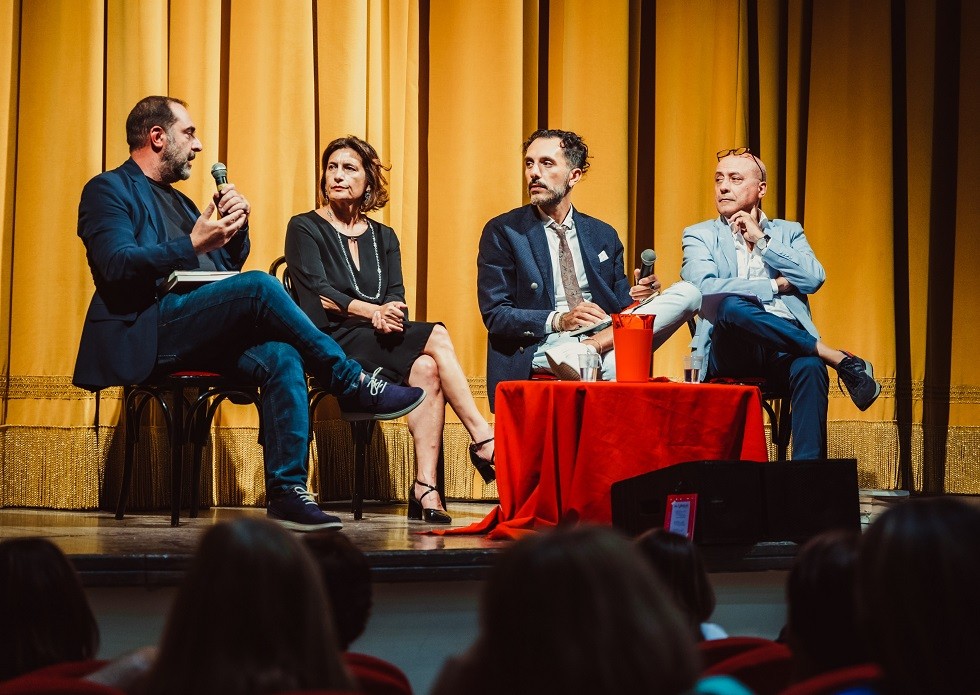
[(549, 196), (175, 166)]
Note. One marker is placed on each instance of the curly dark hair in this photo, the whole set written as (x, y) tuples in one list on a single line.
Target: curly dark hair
[(572, 144), (373, 170), (148, 112)]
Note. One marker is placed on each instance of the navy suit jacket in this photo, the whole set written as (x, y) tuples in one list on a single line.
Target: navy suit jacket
[(129, 254), (516, 288)]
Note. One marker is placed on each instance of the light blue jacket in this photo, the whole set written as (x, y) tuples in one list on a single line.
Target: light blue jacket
[(711, 264)]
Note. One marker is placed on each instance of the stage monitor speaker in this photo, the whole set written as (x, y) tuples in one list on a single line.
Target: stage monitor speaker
[(804, 498), (729, 500)]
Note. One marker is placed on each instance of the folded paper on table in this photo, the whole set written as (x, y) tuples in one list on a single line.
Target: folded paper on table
[(710, 302)]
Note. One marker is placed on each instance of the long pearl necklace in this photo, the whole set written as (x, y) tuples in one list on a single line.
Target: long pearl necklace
[(347, 263)]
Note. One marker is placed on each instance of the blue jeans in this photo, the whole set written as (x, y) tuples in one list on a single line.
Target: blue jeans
[(248, 328), (747, 340)]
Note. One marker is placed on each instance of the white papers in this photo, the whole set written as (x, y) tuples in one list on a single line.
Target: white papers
[(181, 281), (594, 328)]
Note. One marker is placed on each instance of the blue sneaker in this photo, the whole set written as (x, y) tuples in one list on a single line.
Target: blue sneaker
[(379, 399), (858, 376), (297, 510)]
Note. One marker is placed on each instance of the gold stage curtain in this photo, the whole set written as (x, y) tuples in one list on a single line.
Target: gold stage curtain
[(862, 112)]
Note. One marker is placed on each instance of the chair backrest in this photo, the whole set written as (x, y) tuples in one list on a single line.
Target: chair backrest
[(837, 680), (376, 676), (280, 270), (66, 678), (713, 651), (765, 670)]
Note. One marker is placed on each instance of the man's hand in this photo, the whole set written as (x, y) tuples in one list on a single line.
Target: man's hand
[(784, 286), (747, 224), (644, 288), (390, 317), (209, 235), (585, 314), (228, 201)]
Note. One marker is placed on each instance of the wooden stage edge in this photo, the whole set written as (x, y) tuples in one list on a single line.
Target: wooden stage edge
[(144, 550)]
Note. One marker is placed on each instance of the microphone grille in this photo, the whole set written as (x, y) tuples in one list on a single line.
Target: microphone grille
[(219, 170), (648, 256)]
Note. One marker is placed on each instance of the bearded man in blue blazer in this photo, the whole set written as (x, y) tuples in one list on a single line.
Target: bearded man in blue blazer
[(546, 269), (756, 275), (137, 229)]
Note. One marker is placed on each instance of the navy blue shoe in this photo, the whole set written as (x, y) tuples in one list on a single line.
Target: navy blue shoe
[(297, 510), (858, 376), (379, 399)]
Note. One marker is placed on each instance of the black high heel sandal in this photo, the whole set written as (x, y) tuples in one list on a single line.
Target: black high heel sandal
[(483, 467), (416, 512)]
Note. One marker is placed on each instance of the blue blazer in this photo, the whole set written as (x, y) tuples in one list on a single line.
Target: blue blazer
[(129, 254), (711, 264), (516, 290)]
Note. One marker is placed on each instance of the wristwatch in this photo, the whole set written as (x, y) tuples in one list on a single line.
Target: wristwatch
[(762, 243)]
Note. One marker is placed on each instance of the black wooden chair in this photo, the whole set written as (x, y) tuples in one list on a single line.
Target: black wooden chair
[(775, 402), (189, 401)]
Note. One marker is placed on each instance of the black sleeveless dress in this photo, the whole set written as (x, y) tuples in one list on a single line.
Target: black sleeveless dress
[(320, 263)]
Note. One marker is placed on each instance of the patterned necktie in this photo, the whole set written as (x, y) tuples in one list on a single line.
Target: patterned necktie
[(566, 264)]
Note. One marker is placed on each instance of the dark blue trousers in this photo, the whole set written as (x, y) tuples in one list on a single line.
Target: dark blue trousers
[(248, 328), (748, 341)]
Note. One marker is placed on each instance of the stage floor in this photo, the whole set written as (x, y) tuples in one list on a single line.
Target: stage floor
[(143, 548)]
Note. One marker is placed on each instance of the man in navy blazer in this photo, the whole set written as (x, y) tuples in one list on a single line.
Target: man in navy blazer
[(755, 275), (523, 299), (137, 229)]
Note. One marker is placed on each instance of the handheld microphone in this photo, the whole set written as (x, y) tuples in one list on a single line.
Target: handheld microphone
[(220, 173), (647, 259)]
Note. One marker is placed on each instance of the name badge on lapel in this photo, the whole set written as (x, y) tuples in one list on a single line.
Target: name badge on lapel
[(603, 256)]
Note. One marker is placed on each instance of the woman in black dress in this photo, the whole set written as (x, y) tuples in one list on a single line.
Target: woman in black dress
[(347, 277)]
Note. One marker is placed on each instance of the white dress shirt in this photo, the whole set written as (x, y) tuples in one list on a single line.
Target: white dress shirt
[(752, 266), (571, 235)]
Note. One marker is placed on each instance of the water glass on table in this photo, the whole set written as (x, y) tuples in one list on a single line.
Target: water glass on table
[(588, 366), (692, 368)]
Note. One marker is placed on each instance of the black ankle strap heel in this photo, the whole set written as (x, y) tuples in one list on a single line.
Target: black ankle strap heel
[(483, 467), (416, 512)]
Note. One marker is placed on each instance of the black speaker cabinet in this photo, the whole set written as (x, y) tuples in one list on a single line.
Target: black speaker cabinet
[(729, 500), (742, 502), (804, 498)]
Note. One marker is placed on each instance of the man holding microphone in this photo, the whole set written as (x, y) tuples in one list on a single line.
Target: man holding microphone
[(547, 269), (137, 229)]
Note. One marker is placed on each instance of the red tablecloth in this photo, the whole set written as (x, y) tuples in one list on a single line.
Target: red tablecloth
[(561, 445)]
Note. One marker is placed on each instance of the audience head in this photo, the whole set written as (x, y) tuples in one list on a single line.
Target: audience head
[(375, 191), (918, 573), (346, 577), (576, 610), (822, 614), (250, 617), (45, 617), (678, 563)]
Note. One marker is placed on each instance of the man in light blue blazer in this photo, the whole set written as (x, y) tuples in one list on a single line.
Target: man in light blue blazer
[(528, 309), (755, 275)]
